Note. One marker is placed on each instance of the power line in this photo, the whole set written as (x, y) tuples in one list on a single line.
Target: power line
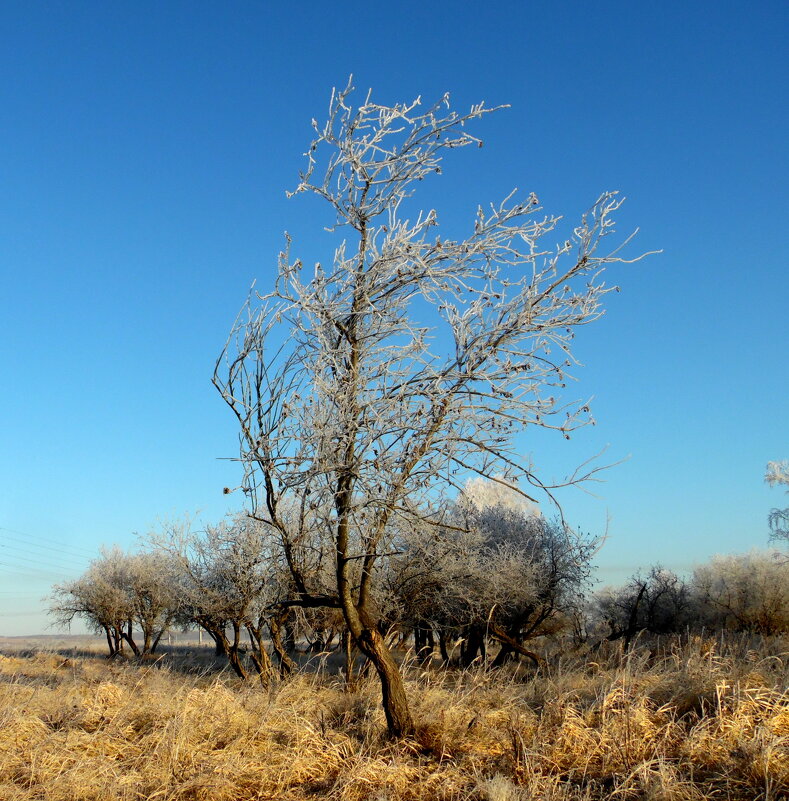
[(32, 543), (49, 542), (39, 562), (32, 573), (46, 541), (14, 550)]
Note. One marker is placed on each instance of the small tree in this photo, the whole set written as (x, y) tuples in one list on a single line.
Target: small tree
[(502, 571), (102, 607), (660, 603), (744, 592), (117, 591), (367, 388), (151, 588), (224, 574)]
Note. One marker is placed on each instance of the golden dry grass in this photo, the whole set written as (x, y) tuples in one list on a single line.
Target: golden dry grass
[(703, 720)]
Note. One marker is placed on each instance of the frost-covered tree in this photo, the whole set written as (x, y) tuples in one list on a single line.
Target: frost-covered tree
[(777, 475), (499, 570), (98, 602), (117, 592), (379, 380), (225, 575), (149, 580), (659, 602), (744, 592)]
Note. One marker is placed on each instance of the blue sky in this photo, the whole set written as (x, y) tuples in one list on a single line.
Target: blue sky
[(146, 150)]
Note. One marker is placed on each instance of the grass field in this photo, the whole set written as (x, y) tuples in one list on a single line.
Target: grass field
[(696, 719)]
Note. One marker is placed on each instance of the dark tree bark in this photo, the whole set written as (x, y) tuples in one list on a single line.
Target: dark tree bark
[(110, 643), (258, 654), (276, 623), (473, 645), (220, 649), (347, 641), (155, 643), (507, 653), (362, 627), (424, 642), (395, 701), (233, 651), (513, 644), (443, 636), (128, 636), (290, 636)]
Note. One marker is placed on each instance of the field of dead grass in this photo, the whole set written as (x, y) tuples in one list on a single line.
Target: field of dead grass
[(704, 719)]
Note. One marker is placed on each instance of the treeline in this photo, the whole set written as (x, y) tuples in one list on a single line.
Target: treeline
[(494, 582), (743, 592)]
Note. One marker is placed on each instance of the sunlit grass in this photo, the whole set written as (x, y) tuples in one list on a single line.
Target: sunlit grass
[(697, 720)]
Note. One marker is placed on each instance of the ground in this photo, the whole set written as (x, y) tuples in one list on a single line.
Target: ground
[(690, 718)]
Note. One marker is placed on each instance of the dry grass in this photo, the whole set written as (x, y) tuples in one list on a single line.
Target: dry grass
[(701, 720)]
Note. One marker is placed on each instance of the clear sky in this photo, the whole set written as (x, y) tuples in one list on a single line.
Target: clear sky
[(145, 153)]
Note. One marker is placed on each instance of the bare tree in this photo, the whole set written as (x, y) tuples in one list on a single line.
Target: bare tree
[(224, 579), (102, 607), (660, 603), (369, 386), (502, 571), (744, 592), (150, 585), (117, 591), (778, 475)]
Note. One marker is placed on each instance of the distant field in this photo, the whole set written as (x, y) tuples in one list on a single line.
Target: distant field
[(686, 721), (86, 641), (52, 642)]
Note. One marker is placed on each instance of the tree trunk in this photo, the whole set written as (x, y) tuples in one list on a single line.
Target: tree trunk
[(371, 643), (259, 655), (423, 642), (395, 702), (506, 652), (347, 641), (155, 643), (513, 644), (220, 647), (232, 651), (286, 664), (127, 635), (290, 636), (418, 638), (109, 640), (474, 644), (327, 646), (358, 619), (504, 655), (235, 663), (442, 644)]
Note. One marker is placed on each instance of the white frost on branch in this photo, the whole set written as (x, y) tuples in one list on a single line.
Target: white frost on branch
[(369, 389), (778, 475)]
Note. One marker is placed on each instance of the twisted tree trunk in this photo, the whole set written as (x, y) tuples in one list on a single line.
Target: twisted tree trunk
[(511, 643), (275, 623)]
